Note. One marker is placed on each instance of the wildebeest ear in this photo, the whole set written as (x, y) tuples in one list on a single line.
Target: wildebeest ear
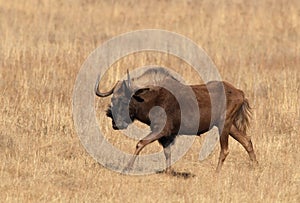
[(138, 95)]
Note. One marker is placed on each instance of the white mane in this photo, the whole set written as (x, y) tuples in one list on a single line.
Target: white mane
[(153, 76)]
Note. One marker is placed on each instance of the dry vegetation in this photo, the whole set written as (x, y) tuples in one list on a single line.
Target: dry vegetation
[(255, 45)]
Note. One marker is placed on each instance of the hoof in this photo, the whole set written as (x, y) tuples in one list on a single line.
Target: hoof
[(254, 164)]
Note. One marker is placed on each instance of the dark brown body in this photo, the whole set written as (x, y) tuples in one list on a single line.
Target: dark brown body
[(231, 117)]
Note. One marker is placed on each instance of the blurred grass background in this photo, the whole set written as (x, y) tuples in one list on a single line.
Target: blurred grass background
[(254, 44)]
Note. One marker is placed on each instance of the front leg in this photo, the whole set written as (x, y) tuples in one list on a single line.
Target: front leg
[(167, 152), (140, 145), (166, 142)]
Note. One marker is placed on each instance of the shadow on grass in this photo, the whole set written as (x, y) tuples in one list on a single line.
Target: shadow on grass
[(177, 174)]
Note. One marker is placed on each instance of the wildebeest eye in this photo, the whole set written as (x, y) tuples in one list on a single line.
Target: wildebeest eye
[(108, 112)]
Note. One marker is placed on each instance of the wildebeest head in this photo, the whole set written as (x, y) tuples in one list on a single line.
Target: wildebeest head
[(132, 94), (119, 110)]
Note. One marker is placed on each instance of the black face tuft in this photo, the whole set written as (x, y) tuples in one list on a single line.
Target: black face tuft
[(108, 112)]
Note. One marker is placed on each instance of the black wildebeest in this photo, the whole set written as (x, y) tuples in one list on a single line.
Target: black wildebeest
[(132, 101)]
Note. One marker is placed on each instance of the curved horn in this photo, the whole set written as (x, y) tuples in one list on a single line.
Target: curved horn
[(128, 80), (104, 94)]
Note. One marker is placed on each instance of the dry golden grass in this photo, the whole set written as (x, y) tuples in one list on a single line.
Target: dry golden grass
[(255, 45)]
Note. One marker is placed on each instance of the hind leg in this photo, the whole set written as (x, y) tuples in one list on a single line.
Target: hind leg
[(224, 147), (245, 141)]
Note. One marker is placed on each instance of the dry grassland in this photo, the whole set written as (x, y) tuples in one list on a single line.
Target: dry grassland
[(255, 45)]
